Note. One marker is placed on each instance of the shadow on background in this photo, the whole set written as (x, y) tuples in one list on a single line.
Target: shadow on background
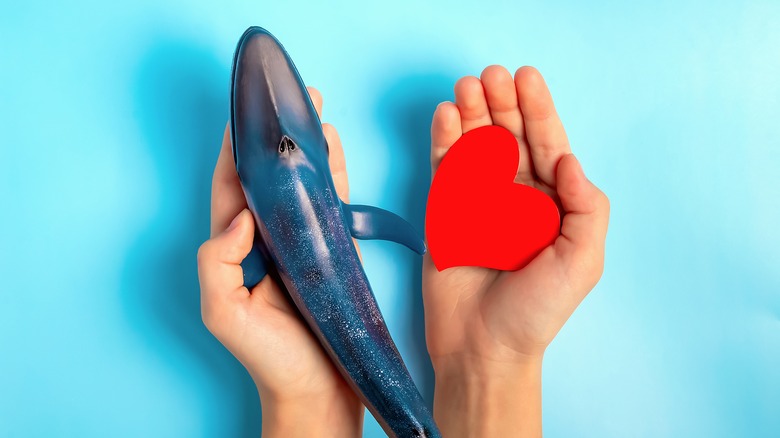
[(404, 113), (181, 102)]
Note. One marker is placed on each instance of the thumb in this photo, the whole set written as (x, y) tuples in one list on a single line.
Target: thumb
[(586, 208), (219, 258)]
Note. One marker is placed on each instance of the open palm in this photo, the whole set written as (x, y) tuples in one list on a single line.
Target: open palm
[(476, 314)]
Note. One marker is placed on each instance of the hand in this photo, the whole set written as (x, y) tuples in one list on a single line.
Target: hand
[(487, 330), (301, 392)]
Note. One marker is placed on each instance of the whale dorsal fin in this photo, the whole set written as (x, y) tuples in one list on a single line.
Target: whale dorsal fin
[(372, 223)]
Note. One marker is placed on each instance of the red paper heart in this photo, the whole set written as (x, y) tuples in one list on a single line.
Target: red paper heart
[(477, 215)]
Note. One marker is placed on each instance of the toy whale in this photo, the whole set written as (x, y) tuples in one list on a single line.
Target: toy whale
[(305, 231)]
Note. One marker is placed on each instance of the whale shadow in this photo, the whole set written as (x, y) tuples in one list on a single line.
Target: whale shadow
[(180, 93)]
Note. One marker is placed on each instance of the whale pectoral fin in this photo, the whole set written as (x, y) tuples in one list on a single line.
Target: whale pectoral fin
[(253, 266), (369, 223)]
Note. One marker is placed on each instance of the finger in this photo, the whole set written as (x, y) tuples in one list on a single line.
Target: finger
[(338, 164), (338, 168), (505, 111), (445, 131), (316, 99), (470, 98), (544, 130), (227, 197), (586, 216), (219, 261)]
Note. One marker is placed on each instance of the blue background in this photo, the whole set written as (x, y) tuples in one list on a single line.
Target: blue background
[(111, 118)]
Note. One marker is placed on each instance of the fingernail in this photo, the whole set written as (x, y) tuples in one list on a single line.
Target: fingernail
[(234, 222)]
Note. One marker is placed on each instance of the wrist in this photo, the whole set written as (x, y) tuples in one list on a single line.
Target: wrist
[(475, 397), (336, 415)]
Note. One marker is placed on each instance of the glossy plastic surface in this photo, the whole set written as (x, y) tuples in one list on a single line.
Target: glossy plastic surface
[(282, 160)]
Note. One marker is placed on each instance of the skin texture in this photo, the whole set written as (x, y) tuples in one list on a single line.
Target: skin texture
[(487, 330), (301, 392)]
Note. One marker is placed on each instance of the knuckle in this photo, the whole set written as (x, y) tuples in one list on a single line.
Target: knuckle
[(205, 252), (604, 200), (596, 273), (588, 266)]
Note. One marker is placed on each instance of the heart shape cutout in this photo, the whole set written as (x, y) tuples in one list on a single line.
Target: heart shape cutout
[(477, 215)]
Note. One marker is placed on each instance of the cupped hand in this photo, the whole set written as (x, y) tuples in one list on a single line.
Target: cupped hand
[(487, 324)]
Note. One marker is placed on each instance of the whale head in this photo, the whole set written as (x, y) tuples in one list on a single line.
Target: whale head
[(274, 125)]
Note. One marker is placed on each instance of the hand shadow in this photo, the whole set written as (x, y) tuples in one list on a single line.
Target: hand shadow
[(404, 112), (181, 94)]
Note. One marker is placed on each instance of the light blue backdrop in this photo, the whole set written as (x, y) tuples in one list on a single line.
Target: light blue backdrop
[(111, 117)]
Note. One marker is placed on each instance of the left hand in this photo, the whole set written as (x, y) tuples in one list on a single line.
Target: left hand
[(301, 391)]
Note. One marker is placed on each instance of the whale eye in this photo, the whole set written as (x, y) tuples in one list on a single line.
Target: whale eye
[(282, 147), (292, 146)]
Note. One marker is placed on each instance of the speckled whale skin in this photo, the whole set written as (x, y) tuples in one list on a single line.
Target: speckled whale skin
[(306, 232)]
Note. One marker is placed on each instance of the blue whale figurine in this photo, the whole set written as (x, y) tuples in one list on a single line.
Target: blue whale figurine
[(305, 231)]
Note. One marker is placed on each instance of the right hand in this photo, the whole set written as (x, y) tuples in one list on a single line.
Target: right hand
[(487, 330)]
